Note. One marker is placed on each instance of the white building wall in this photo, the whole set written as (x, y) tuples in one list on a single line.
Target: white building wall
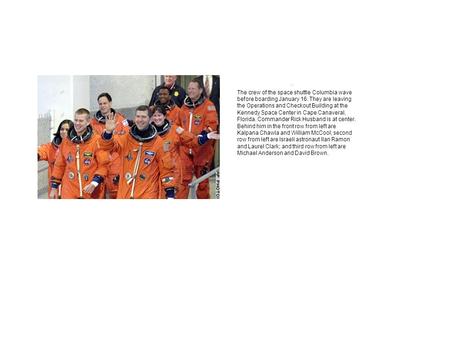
[(126, 91), (81, 92)]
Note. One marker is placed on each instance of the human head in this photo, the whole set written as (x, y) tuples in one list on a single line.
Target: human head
[(81, 120), (63, 128), (159, 115), (195, 89), (104, 103), (169, 80), (164, 95), (142, 118)]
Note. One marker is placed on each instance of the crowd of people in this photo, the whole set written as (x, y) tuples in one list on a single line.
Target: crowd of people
[(156, 155)]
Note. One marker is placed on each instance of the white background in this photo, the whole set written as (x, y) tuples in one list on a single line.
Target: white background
[(352, 245)]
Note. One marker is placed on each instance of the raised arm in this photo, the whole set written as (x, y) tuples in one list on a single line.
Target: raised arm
[(108, 140)]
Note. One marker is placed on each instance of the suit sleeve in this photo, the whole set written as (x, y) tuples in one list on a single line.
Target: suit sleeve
[(60, 165), (188, 139), (115, 144), (211, 119), (44, 151), (102, 158)]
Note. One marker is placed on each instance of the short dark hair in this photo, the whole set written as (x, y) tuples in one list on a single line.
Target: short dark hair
[(164, 88), (142, 108), (162, 109), (108, 97)]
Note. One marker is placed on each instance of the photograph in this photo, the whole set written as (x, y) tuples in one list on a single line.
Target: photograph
[(128, 137)]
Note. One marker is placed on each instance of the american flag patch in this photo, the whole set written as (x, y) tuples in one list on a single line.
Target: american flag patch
[(167, 180)]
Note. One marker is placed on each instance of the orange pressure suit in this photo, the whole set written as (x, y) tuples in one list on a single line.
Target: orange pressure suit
[(172, 112), (79, 162), (47, 152), (144, 164), (197, 117), (173, 115), (172, 143), (98, 124)]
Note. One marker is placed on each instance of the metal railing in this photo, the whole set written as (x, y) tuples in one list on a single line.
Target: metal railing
[(42, 177), (44, 168), (43, 136), (193, 185)]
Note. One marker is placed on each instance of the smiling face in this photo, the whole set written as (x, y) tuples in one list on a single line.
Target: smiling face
[(104, 105), (141, 119), (164, 95), (80, 122), (194, 91), (169, 80), (64, 130), (158, 118)]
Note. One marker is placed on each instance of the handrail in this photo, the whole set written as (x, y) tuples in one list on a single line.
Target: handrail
[(204, 177), (43, 168)]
